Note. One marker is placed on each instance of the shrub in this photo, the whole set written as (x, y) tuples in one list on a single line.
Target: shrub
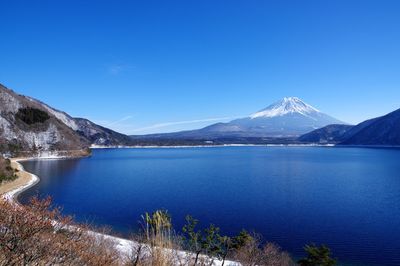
[(155, 244), (7, 173), (29, 236), (244, 248), (251, 252), (317, 256)]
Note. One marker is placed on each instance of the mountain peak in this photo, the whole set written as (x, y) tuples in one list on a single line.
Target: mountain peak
[(285, 106), (291, 99)]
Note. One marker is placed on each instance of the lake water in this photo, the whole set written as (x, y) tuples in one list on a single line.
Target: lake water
[(347, 198)]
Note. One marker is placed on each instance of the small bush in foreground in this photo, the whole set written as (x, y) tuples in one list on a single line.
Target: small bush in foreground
[(251, 252), (156, 243), (317, 256), (6, 171), (244, 248)]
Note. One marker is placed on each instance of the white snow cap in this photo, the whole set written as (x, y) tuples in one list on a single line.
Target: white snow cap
[(286, 106)]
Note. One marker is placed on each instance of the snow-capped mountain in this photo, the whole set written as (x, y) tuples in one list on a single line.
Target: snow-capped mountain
[(287, 105), (289, 117)]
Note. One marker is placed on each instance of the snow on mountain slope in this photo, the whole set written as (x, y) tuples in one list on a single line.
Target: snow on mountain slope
[(285, 106), (27, 124), (96, 134), (289, 117), (66, 119)]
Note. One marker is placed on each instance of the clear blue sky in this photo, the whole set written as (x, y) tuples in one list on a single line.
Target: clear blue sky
[(157, 66)]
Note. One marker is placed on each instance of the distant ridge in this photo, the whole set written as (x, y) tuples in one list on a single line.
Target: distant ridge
[(53, 130), (383, 131), (27, 124), (287, 118), (331, 134)]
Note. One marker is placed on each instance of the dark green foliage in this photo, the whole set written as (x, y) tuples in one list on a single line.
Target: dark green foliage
[(165, 141), (211, 241), (31, 115), (241, 239), (208, 241), (7, 177), (317, 256), (193, 236), (14, 147), (11, 147), (225, 247), (7, 173)]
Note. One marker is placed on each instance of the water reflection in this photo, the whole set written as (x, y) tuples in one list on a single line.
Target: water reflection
[(52, 174)]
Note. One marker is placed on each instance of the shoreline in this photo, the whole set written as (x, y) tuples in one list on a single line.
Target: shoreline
[(24, 181), (95, 147), (125, 247)]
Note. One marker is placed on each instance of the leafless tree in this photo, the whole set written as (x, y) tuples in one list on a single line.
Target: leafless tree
[(38, 234)]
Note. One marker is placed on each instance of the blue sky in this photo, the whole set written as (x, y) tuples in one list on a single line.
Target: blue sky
[(159, 66)]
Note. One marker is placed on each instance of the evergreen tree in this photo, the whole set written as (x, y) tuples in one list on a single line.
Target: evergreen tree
[(317, 256)]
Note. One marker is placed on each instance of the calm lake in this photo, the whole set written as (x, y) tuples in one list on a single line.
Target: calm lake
[(347, 198)]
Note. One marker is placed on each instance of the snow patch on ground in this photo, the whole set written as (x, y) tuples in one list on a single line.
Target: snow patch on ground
[(44, 139), (9, 103), (5, 129), (68, 121)]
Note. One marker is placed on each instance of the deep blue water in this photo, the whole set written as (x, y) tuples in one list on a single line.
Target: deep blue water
[(347, 198)]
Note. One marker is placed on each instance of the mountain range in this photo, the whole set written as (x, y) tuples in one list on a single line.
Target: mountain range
[(384, 131), (31, 126), (287, 118)]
